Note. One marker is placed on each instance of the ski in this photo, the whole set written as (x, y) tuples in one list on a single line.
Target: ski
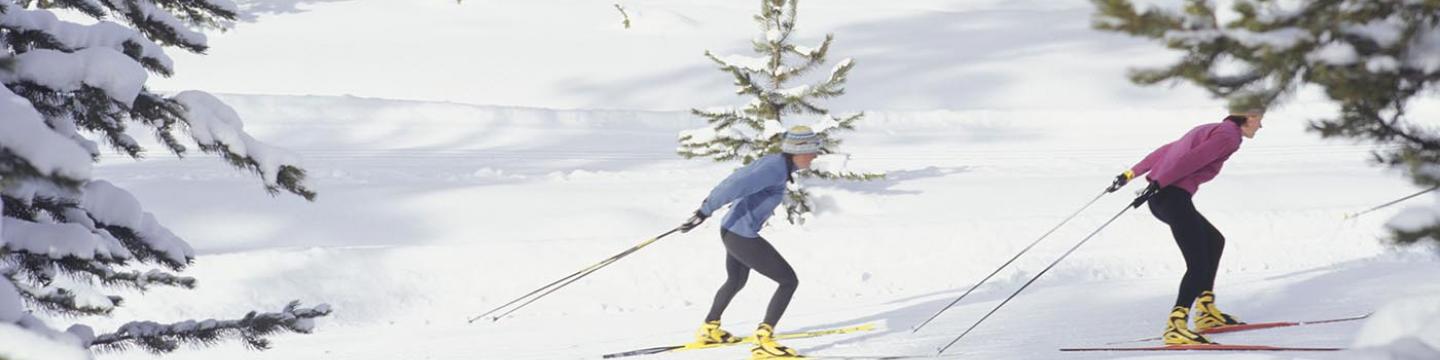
[(746, 340), (1255, 326), (1205, 347)]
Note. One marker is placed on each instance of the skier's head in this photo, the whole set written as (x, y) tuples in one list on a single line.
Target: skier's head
[(803, 144), (1248, 120)]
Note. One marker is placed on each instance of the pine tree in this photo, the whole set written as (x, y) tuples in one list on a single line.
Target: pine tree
[(1372, 58), (66, 236), (748, 133)]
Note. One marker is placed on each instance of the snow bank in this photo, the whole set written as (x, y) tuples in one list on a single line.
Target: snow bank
[(35, 346), (1403, 329)]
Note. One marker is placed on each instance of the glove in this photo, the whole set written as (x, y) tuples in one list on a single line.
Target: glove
[(1146, 194), (1120, 181), (695, 221)]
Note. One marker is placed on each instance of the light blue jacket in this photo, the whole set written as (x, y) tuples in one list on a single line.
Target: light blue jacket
[(756, 190)]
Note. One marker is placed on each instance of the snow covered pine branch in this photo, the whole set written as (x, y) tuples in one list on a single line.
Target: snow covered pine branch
[(1372, 58), (65, 235), (751, 132)]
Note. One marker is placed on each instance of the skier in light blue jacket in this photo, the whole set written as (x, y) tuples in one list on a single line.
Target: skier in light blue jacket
[(756, 190)]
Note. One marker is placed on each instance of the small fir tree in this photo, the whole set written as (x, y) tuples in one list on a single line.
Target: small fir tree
[(755, 130)]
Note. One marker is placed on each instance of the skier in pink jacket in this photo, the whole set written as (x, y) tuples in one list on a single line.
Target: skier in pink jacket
[(1175, 172)]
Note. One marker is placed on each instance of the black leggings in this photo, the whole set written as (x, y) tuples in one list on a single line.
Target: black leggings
[(743, 254), (1199, 241)]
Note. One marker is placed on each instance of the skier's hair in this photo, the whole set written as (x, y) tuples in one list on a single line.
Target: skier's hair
[(1237, 119)]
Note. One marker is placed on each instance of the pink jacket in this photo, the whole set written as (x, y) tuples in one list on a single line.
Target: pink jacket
[(1194, 159)]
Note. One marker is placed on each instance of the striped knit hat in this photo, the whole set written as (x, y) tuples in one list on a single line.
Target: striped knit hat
[(800, 140)]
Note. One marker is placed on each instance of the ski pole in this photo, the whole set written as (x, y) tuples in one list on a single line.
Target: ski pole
[(1007, 263), (568, 282), (1032, 280), (568, 279), (1385, 205)]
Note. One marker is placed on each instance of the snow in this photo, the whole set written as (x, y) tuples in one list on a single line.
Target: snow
[(1403, 329), (825, 124), (1278, 40), (1414, 218), (832, 163), (842, 64), (59, 240), (111, 71), (772, 128), (1281, 9), (23, 132), (1424, 53), (772, 35), (744, 62), (37, 347), (915, 55), (103, 34), (794, 92), (965, 189), (1191, 37), (211, 122), (700, 135), (1385, 32), (11, 308), (84, 296), (995, 124), (111, 205), (1382, 64), (1334, 53)]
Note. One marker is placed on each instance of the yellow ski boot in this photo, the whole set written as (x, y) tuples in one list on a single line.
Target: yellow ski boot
[(711, 334), (1177, 329), (1207, 316), (767, 348)]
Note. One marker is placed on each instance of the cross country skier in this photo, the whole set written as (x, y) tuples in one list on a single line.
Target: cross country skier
[(756, 190), (1176, 171)]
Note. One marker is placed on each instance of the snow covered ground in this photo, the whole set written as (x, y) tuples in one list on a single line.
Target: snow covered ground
[(431, 213), (575, 54), (994, 119)]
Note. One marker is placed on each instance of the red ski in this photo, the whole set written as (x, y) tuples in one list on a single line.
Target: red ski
[(1267, 325), (1206, 347), (1255, 326)]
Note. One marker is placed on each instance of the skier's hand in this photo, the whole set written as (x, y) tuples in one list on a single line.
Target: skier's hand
[(695, 221), (1120, 181), (1146, 194)]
